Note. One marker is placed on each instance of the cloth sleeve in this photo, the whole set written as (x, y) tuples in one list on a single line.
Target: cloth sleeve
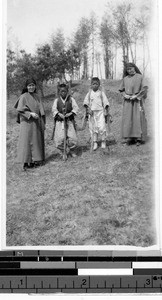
[(41, 107), (142, 95), (75, 107), (22, 108), (86, 100), (105, 100), (122, 87), (54, 108)]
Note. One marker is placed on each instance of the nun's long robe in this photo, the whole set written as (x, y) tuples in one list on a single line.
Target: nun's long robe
[(31, 137), (134, 124)]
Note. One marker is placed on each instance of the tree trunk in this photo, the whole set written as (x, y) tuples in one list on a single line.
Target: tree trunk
[(92, 71), (124, 59), (143, 55), (97, 63), (131, 51), (147, 45), (100, 69), (135, 52), (127, 47), (112, 72), (107, 71), (115, 61), (85, 73), (40, 88)]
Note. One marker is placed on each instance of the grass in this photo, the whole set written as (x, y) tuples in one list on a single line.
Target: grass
[(93, 199)]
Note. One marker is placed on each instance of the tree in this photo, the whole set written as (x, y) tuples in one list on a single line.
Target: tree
[(58, 41), (45, 66), (41, 66), (81, 41), (24, 67), (73, 62), (121, 33), (11, 67), (58, 49), (93, 33), (142, 28), (106, 36)]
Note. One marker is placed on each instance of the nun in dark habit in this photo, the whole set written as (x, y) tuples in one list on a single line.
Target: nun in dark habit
[(31, 117), (134, 123)]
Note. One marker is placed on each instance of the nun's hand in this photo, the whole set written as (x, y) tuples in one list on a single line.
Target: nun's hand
[(127, 96), (133, 97), (34, 115)]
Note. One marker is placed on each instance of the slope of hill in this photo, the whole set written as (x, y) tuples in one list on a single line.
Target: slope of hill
[(93, 199)]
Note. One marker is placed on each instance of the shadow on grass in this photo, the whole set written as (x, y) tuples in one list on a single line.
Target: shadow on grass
[(56, 156), (81, 149), (52, 157), (111, 142)]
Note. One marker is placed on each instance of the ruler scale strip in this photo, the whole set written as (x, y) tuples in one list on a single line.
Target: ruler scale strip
[(87, 283), (31, 271)]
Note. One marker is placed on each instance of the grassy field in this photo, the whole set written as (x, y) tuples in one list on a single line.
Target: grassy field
[(93, 199)]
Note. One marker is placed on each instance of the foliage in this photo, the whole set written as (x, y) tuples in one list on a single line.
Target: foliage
[(81, 40), (120, 28), (18, 69), (57, 41)]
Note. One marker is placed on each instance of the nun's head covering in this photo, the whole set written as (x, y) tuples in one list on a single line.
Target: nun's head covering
[(130, 65), (28, 81)]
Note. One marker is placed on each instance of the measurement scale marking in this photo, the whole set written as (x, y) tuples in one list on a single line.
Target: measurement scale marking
[(48, 265), (18, 272), (49, 258), (105, 271), (147, 271), (9, 265), (147, 265), (105, 265), (77, 258)]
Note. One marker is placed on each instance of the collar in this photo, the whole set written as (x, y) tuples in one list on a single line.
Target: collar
[(64, 100)]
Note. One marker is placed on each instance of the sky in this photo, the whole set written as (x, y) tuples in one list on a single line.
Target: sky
[(32, 22)]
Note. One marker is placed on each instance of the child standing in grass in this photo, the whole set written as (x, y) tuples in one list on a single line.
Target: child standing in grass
[(65, 109), (97, 111)]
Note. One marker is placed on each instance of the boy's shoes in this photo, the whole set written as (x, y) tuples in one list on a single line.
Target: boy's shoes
[(103, 145), (64, 156), (124, 141), (73, 154), (95, 146)]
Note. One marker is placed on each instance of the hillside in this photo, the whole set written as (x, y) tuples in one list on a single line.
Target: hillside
[(94, 199)]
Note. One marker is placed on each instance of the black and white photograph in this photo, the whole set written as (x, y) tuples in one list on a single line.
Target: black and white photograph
[(81, 124)]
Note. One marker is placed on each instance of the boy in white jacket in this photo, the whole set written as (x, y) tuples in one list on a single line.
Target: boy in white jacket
[(97, 110)]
